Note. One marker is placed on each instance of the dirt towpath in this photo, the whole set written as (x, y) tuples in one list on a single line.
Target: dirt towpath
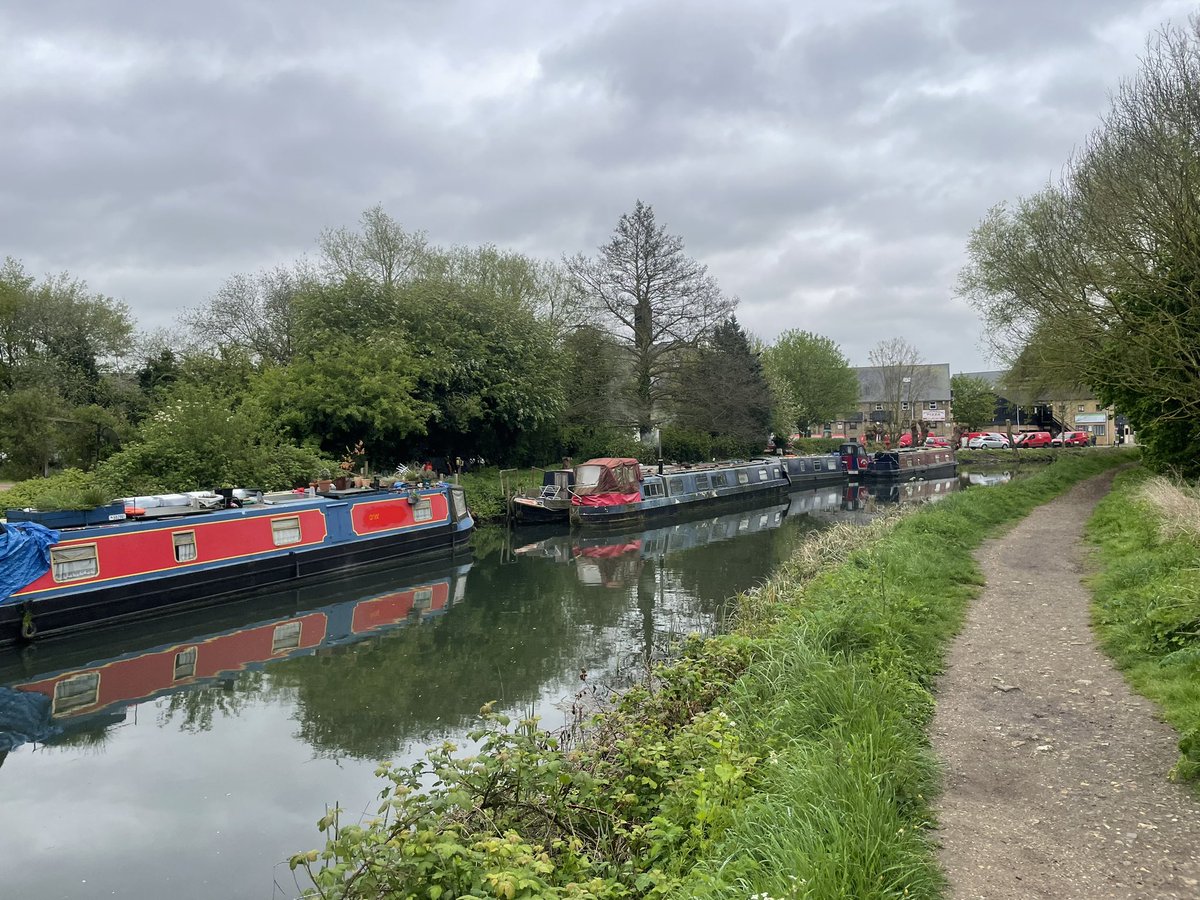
[(1055, 772)]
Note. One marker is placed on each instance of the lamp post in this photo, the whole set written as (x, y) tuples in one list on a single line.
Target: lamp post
[(907, 382)]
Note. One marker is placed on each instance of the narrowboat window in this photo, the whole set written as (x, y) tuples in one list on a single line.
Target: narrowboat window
[(719, 480), (652, 489), (286, 637), (185, 663), (743, 477), (423, 511), (801, 465), (185, 545), (675, 486), (775, 471), (286, 531), (762, 474), (74, 563), (702, 482), (76, 692), (423, 598), (459, 498), (587, 477)]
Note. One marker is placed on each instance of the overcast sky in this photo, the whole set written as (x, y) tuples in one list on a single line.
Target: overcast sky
[(827, 161)]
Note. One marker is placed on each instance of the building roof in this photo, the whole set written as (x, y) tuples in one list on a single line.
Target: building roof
[(935, 375), (992, 378)]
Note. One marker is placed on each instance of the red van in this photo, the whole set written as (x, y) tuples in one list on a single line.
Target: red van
[(1035, 439)]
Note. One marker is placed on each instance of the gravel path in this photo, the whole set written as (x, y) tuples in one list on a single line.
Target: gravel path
[(1055, 772)]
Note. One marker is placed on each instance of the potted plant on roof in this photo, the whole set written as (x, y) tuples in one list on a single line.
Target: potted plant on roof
[(351, 464)]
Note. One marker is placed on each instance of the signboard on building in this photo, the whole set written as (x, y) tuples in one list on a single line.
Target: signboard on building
[(933, 415), (1091, 418)]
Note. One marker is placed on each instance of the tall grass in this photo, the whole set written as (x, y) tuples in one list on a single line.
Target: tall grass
[(838, 698), (1147, 597)]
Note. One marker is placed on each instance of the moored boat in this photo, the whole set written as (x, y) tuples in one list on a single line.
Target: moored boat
[(551, 504), (805, 472), (614, 492), (180, 552), (922, 462)]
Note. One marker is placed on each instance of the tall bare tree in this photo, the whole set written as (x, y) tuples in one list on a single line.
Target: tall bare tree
[(905, 379), (655, 300)]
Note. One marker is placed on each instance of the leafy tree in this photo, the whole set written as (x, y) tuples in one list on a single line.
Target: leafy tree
[(655, 300), (347, 390), (256, 313), (974, 401), (821, 385), (197, 439), (381, 252), (722, 389), (490, 370), (1094, 279)]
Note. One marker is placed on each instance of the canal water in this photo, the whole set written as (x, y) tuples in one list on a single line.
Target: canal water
[(189, 758)]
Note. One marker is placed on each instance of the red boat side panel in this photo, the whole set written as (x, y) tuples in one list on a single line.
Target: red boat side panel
[(392, 608), (375, 516), (127, 680), (152, 551)]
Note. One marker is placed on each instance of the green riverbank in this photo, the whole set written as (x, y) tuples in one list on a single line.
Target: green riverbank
[(788, 759), (1147, 598)]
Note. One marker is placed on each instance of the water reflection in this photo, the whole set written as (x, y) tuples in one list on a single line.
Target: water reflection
[(185, 735), (50, 698)]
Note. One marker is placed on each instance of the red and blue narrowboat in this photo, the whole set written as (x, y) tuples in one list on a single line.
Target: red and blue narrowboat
[(920, 462), (178, 550)]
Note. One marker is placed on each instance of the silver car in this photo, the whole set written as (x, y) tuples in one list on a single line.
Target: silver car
[(990, 440)]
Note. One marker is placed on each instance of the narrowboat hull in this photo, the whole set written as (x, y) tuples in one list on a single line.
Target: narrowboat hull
[(907, 464), (341, 541), (535, 511), (805, 472), (678, 496)]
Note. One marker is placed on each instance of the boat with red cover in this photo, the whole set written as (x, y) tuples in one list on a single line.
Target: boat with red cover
[(196, 550), (613, 492)]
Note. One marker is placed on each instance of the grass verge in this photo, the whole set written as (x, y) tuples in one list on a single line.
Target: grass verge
[(786, 759), (1147, 598)]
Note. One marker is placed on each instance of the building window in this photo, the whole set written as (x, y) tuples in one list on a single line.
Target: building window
[(286, 531), (423, 511), (285, 637), (933, 404), (185, 663), (1080, 408), (878, 407), (904, 405), (74, 563), (76, 692), (185, 545)]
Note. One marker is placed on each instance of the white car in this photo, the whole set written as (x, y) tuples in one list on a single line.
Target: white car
[(988, 441)]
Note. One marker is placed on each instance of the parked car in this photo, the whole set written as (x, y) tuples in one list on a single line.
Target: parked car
[(1036, 439), (1072, 439), (989, 440), (905, 440), (965, 440), (935, 440)]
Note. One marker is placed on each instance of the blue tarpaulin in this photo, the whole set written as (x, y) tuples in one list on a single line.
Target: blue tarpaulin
[(24, 555), (24, 717)]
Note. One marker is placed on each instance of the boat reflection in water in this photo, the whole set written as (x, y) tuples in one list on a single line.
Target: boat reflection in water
[(615, 560), (71, 686)]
